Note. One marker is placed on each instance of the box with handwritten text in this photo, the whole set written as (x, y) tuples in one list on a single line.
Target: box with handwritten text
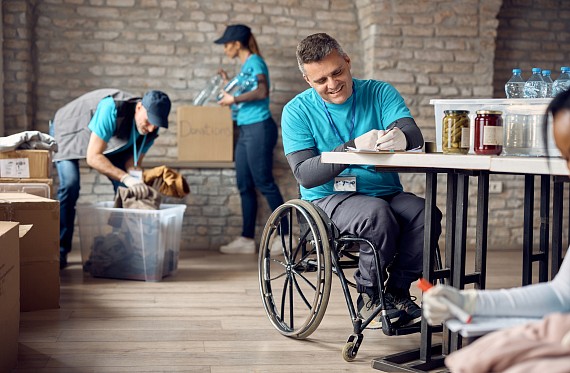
[(205, 134)]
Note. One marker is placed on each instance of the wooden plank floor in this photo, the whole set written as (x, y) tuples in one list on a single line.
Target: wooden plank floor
[(206, 318)]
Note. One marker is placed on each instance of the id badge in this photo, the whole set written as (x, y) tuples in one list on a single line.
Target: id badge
[(345, 184), (137, 174)]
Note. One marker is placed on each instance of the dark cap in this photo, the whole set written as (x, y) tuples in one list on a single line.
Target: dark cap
[(157, 105), (239, 33)]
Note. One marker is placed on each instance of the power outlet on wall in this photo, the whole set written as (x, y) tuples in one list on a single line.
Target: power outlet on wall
[(495, 187)]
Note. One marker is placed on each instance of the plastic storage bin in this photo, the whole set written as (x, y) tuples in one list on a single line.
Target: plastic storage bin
[(130, 244), (506, 106), (37, 189)]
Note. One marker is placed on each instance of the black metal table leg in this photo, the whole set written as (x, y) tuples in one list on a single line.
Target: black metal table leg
[(528, 229), (557, 216), (428, 356), (481, 229), (542, 256), (458, 268)]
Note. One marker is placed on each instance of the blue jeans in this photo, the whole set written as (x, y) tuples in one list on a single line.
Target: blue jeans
[(68, 194), (254, 169)]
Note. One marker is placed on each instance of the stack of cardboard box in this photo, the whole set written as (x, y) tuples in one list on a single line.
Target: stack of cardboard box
[(39, 249), (26, 167), (9, 295), (29, 265)]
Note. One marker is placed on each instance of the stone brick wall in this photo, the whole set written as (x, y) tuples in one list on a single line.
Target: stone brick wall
[(19, 65), (56, 50)]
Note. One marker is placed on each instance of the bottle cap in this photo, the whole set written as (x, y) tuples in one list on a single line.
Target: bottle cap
[(492, 112)]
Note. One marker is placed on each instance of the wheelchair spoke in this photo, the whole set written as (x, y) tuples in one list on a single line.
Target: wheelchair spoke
[(283, 297), (301, 293)]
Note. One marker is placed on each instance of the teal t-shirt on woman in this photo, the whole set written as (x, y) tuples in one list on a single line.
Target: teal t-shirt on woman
[(251, 112)]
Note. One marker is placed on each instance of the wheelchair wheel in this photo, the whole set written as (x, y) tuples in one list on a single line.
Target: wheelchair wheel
[(295, 283)]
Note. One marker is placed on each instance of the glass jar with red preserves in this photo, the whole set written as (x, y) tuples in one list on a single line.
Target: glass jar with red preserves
[(488, 132)]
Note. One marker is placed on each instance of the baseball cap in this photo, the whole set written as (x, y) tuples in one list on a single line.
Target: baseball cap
[(235, 33), (157, 105)]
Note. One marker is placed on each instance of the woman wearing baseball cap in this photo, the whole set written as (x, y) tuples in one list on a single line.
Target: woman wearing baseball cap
[(257, 132)]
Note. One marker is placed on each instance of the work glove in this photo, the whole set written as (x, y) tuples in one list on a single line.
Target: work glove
[(137, 186), (158, 183), (368, 140), (434, 306), (393, 139)]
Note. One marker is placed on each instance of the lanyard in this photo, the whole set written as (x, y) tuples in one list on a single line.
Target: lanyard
[(136, 155), (331, 122)]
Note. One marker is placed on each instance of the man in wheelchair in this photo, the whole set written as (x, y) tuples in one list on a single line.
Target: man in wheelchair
[(339, 112)]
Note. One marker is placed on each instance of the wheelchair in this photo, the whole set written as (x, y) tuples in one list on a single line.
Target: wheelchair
[(295, 284)]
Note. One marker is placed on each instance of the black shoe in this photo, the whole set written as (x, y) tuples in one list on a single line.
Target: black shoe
[(413, 312), (367, 305), (62, 260)]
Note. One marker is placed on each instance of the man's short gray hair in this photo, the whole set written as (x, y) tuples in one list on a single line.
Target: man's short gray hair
[(315, 48)]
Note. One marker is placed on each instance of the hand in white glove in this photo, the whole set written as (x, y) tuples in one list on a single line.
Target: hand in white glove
[(137, 186), (434, 303), (393, 139), (368, 140)]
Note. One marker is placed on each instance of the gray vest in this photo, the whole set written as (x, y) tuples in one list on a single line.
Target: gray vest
[(70, 123)]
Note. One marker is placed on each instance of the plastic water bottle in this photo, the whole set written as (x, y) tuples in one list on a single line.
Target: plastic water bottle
[(241, 83), (547, 83), (231, 87), (562, 83), (209, 91), (514, 88), (534, 86)]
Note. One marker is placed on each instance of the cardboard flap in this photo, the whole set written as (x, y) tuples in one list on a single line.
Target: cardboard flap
[(24, 228)]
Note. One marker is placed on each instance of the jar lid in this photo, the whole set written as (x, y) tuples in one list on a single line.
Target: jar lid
[(459, 112), (493, 112)]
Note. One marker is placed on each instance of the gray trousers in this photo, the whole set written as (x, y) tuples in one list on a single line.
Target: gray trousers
[(394, 224)]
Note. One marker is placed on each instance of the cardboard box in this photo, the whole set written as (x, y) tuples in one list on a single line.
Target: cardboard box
[(39, 249), (37, 187), (9, 295), (26, 164), (205, 134)]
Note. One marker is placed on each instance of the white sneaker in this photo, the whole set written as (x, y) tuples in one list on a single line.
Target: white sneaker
[(277, 245), (241, 245)]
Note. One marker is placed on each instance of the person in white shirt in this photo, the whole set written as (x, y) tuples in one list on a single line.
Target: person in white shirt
[(537, 300)]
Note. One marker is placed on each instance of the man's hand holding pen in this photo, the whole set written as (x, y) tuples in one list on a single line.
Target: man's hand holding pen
[(391, 139)]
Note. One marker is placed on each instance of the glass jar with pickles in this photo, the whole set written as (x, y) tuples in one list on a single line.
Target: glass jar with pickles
[(455, 132)]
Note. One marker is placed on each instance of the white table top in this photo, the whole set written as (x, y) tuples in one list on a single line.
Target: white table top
[(498, 164)]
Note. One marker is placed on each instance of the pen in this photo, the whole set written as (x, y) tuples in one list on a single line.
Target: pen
[(456, 311), (388, 129)]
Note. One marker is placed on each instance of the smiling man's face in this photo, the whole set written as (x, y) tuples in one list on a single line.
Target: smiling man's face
[(330, 77)]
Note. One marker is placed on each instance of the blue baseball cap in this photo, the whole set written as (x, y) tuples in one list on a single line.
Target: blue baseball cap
[(157, 105), (239, 33)]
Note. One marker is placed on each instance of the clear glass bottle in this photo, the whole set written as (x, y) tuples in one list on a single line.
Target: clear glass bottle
[(488, 132), (455, 133)]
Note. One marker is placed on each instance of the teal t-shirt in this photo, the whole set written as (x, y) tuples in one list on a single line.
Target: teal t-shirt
[(103, 124), (305, 125), (251, 112)]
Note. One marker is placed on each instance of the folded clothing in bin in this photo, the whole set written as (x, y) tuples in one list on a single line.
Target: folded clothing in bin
[(119, 254), (130, 243)]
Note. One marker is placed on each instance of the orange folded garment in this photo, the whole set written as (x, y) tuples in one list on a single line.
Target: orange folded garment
[(166, 181)]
